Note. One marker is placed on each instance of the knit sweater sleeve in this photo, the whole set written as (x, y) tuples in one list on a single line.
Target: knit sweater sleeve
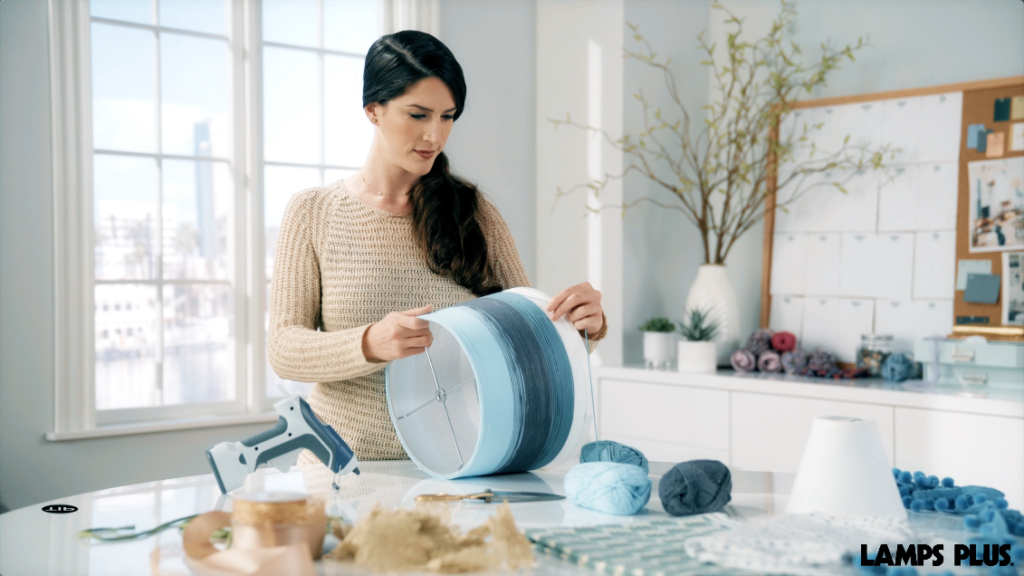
[(297, 350), (504, 258)]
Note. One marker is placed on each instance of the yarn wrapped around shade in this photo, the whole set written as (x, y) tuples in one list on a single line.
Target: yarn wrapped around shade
[(609, 451), (609, 487), (897, 368), (795, 361), (783, 342), (759, 341), (743, 360), (695, 487), (769, 361)]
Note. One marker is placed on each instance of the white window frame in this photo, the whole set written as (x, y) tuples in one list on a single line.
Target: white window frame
[(75, 415)]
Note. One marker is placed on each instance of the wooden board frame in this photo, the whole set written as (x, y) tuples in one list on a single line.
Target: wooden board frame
[(978, 97)]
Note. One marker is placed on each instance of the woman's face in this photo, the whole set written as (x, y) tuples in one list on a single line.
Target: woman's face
[(412, 129)]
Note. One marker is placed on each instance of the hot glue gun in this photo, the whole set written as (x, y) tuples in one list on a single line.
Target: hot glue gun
[(297, 428)]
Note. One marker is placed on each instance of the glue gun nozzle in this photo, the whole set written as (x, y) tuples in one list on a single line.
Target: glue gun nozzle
[(356, 471)]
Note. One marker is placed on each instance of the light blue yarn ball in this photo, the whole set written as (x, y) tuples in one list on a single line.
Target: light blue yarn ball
[(897, 368), (609, 487)]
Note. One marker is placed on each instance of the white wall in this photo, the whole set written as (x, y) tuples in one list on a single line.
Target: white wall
[(492, 143), (32, 469)]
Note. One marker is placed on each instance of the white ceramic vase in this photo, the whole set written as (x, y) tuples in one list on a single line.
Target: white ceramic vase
[(713, 292), (659, 348), (697, 357)]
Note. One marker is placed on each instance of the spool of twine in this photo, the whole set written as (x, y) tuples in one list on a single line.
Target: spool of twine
[(267, 519)]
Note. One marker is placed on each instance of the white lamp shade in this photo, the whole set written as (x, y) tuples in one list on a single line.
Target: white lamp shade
[(845, 472)]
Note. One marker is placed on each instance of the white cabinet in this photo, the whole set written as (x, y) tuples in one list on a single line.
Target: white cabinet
[(971, 448), (667, 423), (769, 432)]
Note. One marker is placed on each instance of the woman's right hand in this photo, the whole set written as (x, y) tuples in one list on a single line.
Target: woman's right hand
[(397, 335)]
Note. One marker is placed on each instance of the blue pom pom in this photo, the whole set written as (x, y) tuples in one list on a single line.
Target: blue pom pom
[(922, 482), (962, 503), (906, 477), (896, 472), (1018, 530), (980, 499), (917, 505), (947, 482), (929, 504), (1017, 553), (906, 501), (934, 481), (988, 515), (608, 487), (919, 474), (904, 490), (941, 504), (971, 522), (1001, 503)]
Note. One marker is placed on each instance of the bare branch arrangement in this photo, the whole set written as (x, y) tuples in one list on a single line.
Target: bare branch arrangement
[(720, 176)]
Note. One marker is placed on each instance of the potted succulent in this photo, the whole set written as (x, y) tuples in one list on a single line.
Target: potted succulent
[(659, 342), (697, 349)]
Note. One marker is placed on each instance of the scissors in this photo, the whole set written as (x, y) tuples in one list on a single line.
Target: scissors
[(491, 495)]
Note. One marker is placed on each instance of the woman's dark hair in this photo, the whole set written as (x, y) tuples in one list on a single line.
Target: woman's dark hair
[(444, 206)]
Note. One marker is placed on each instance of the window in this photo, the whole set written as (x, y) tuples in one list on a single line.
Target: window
[(179, 126)]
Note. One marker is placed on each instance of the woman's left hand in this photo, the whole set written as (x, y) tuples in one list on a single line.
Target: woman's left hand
[(581, 305)]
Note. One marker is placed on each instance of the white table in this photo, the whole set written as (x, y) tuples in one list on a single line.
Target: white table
[(33, 542)]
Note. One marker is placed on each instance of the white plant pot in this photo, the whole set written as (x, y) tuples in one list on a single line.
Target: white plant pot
[(659, 348), (713, 292), (697, 357)]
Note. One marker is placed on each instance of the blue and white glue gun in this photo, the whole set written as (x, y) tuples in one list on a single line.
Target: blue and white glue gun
[(297, 428)]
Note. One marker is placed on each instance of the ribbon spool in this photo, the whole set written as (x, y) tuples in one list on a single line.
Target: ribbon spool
[(502, 389)]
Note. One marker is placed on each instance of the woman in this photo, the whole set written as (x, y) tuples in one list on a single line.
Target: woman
[(358, 260)]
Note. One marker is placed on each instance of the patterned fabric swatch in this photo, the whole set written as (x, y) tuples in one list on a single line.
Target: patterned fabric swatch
[(653, 548)]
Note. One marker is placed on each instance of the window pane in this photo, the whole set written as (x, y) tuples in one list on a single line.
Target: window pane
[(126, 340), (290, 106), (196, 89), (199, 226), (123, 88), (125, 217), (280, 183), (290, 22), (198, 344), (140, 11), (199, 15), (350, 25), (333, 175), (348, 133)]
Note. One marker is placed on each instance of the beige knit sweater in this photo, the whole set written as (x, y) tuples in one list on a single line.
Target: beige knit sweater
[(340, 266)]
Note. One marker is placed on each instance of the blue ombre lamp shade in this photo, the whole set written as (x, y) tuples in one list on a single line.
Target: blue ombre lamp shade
[(502, 389)]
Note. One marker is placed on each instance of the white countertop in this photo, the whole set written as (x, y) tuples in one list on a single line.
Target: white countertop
[(911, 394), (34, 542)]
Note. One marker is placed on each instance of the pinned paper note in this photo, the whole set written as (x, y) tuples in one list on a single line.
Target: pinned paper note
[(975, 132), (983, 141), (1017, 108), (965, 267), (1017, 137), (1002, 112), (995, 145)]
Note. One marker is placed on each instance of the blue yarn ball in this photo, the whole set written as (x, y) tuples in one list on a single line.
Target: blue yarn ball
[(897, 368), (961, 503), (609, 487), (947, 482), (907, 501), (941, 504), (695, 487), (609, 451), (1001, 503), (917, 505), (906, 477), (971, 522)]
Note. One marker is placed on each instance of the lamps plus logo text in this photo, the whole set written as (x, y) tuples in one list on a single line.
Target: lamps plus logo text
[(919, 554)]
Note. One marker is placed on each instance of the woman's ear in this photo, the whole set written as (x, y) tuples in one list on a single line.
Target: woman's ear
[(374, 112)]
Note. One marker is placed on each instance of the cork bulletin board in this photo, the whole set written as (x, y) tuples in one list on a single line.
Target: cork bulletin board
[(979, 102), (979, 108)]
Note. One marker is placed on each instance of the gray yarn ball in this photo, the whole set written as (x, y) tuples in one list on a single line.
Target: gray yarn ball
[(695, 487), (760, 341)]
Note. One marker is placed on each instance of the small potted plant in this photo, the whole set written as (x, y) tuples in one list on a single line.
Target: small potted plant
[(659, 342), (697, 349)]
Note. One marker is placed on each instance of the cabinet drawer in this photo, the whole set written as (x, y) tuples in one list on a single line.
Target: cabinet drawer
[(692, 417), (770, 432), (972, 449)]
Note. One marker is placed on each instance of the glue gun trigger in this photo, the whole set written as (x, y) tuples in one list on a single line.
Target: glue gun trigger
[(284, 462)]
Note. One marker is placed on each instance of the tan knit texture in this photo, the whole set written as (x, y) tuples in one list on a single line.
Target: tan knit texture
[(340, 266)]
